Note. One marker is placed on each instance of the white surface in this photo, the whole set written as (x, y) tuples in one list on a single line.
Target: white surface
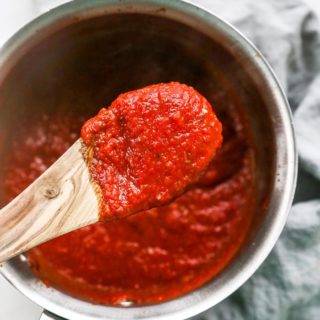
[(13, 15)]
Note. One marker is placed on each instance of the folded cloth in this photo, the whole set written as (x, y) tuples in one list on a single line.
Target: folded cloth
[(287, 286)]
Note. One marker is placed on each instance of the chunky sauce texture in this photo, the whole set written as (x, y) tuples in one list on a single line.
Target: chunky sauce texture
[(149, 145), (154, 255)]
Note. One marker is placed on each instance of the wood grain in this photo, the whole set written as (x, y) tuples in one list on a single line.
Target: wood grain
[(61, 200)]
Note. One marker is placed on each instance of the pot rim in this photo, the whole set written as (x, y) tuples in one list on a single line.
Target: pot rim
[(202, 298)]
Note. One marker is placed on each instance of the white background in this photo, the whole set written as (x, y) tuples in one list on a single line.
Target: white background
[(13, 15)]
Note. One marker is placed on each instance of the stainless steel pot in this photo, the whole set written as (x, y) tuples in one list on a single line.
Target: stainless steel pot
[(73, 47)]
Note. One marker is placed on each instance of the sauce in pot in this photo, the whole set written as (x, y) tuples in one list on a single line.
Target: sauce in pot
[(154, 255)]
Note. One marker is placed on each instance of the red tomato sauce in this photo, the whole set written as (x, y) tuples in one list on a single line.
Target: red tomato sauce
[(149, 145), (154, 255)]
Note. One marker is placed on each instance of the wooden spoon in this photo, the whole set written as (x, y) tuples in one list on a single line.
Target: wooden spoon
[(180, 136), (62, 199)]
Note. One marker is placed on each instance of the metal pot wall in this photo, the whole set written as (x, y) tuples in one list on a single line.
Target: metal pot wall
[(70, 49)]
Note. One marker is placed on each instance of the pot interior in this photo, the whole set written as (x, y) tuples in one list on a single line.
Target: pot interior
[(85, 65)]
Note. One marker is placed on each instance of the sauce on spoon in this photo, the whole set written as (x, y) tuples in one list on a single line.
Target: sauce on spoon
[(149, 145)]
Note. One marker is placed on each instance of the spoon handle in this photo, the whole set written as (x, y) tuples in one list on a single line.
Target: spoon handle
[(62, 199)]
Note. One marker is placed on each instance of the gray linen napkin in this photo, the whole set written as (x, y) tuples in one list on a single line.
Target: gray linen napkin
[(287, 286)]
